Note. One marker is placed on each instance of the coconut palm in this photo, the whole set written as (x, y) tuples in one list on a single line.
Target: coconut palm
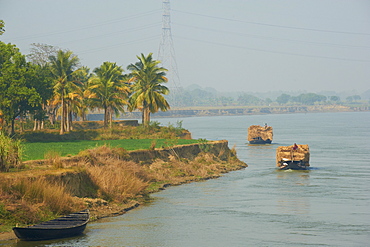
[(109, 90), (84, 95), (148, 91), (62, 68)]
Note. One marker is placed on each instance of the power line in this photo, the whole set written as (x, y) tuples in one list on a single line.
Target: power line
[(108, 22), (272, 25), (273, 38), (130, 30), (120, 44), (275, 52)]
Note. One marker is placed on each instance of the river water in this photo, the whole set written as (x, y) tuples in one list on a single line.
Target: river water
[(328, 205)]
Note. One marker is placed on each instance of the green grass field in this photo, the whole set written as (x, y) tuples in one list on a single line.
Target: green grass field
[(37, 150)]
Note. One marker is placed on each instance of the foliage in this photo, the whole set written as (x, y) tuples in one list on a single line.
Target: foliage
[(2, 24), (109, 91), (40, 54), (353, 98), (147, 78), (203, 145), (283, 99), (18, 80), (178, 129), (306, 99), (309, 98), (82, 100), (10, 152), (247, 99), (334, 98), (62, 67)]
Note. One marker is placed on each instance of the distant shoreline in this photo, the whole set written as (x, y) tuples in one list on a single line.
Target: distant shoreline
[(238, 110)]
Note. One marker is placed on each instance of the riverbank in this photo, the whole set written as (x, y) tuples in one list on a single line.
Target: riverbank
[(111, 182)]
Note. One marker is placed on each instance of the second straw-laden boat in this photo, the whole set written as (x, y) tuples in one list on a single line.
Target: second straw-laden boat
[(260, 135), (294, 157)]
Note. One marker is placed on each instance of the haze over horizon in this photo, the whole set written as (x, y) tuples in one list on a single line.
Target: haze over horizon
[(234, 45)]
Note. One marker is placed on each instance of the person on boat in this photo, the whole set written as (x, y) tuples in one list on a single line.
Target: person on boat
[(295, 147), (266, 126)]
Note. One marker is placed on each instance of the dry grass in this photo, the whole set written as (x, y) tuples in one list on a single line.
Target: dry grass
[(177, 171), (118, 180), (53, 159), (28, 200)]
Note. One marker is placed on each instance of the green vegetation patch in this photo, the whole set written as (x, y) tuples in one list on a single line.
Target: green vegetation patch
[(37, 150)]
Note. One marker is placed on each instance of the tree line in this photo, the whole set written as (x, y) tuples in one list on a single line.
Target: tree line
[(210, 97), (51, 84)]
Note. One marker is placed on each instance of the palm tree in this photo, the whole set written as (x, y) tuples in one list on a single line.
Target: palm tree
[(83, 100), (62, 68), (109, 90), (148, 91)]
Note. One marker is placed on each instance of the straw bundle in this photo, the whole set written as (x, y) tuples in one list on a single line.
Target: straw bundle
[(287, 153), (255, 131)]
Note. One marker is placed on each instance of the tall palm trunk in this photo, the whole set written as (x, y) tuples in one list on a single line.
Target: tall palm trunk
[(67, 119), (106, 116), (146, 115), (62, 127), (110, 117)]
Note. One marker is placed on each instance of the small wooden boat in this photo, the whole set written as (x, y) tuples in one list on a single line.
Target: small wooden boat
[(63, 227)]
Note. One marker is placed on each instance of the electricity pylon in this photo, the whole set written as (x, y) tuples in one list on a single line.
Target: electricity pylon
[(166, 54)]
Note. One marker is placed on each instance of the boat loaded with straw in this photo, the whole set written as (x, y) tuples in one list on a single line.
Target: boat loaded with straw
[(294, 157), (260, 135)]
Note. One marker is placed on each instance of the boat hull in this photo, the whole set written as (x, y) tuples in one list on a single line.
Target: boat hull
[(63, 227), (260, 141), (293, 165), (34, 234)]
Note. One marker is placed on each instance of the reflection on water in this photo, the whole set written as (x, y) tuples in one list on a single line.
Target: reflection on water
[(291, 199), (296, 177)]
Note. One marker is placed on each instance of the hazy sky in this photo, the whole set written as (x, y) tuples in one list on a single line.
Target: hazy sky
[(230, 45)]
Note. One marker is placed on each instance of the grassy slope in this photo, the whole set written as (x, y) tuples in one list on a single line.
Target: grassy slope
[(37, 150)]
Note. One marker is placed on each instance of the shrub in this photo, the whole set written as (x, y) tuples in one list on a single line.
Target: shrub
[(10, 152), (53, 159), (203, 145), (153, 144)]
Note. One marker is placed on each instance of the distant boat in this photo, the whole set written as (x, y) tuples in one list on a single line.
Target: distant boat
[(260, 135), (63, 227), (295, 157)]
